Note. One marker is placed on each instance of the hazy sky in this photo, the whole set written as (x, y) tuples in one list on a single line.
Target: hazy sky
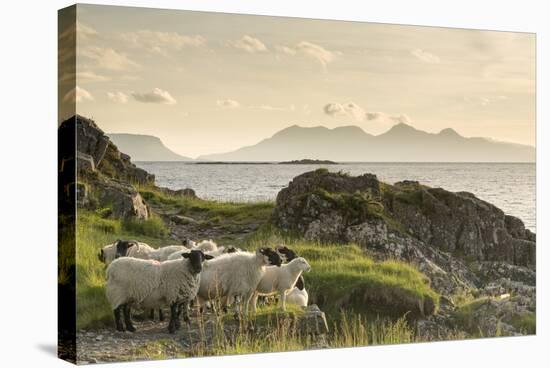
[(207, 82)]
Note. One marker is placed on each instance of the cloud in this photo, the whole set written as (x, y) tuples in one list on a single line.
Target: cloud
[(228, 104), (118, 97), (157, 95), (249, 44), (400, 119), (83, 31), (309, 50), (78, 94), (108, 58), (274, 108), (359, 114), (77, 30), (82, 77), (161, 42), (425, 56), (350, 109), (89, 77)]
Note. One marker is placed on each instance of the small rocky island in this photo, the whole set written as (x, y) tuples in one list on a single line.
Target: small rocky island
[(308, 161)]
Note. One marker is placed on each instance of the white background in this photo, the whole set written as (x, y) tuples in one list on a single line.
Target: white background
[(28, 121)]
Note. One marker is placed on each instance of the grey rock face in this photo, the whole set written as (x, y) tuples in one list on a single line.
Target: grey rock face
[(187, 192), (333, 207), (96, 151), (125, 200), (313, 321), (464, 245), (84, 162)]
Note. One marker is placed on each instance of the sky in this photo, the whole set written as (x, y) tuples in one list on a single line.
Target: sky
[(212, 82)]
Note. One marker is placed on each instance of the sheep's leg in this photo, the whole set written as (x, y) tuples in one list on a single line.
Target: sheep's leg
[(237, 307), (152, 314), (185, 311), (118, 322), (283, 300), (173, 317), (178, 314), (246, 303), (161, 315), (254, 302), (128, 318)]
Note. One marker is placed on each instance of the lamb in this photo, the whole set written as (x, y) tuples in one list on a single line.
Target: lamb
[(234, 277), (280, 280), (298, 295), (153, 284)]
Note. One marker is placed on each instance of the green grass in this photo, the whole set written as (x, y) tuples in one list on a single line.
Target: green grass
[(92, 233), (525, 322), (364, 300), (343, 276), (209, 210), (464, 315)]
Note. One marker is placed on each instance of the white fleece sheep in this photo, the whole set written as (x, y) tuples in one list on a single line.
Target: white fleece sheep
[(297, 297), (151, 284), (215, 253), (163, 253), (138, 250), (205, 245), (280, 280), (234, 277)]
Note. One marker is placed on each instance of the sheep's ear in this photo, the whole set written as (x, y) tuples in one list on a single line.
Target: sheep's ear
[(208, 256), (131, 244), (186, 255)]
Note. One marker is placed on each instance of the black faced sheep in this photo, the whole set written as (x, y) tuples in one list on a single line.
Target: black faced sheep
[(234, 277), (153, 284)]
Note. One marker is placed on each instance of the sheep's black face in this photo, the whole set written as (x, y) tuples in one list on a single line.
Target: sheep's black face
[(288, 253), (101, 256), (122, 247), (273, 257), (196, 258), (231, 249)]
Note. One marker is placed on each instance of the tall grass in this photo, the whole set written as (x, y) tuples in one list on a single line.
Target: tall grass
[(343, 276), (92, 233), (365, 301)]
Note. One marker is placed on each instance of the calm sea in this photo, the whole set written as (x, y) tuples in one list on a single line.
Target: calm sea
[(510, 187)]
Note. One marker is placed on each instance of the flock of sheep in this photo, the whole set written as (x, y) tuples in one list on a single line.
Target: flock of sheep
[(174, 276)]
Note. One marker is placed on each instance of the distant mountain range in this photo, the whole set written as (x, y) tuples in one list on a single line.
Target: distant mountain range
[(402, 143), (145, 148)]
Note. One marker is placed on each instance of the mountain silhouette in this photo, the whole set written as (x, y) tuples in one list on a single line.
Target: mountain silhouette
[(401, 143), (145, 148)]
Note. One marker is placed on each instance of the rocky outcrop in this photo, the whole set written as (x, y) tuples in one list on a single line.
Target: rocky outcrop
[(460, 223), (95, 151), (123, 199), (106, 177), (186, 192), (335, 207), (464, 245)]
